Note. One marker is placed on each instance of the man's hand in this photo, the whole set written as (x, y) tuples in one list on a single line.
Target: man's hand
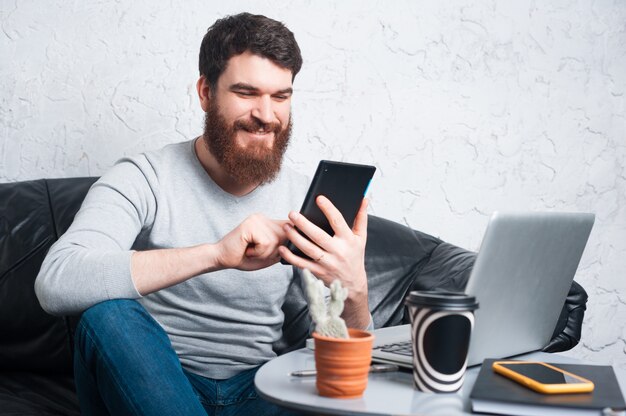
[(252, 245), (341, 256)]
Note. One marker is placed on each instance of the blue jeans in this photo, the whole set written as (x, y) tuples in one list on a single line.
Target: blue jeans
[(124, 364)]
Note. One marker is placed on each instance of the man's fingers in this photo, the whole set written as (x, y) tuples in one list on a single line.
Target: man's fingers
[(334, 217), (305, 245), (315, 233), (255, 250), (300, 262), (265, 238), (277, 227), (360, 222)]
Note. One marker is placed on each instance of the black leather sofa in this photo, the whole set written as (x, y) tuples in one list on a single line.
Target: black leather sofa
[(36, 348)]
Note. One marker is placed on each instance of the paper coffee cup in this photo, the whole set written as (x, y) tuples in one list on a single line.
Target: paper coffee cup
[(441, 326)]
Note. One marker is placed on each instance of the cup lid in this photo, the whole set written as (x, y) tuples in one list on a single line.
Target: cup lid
[(439, 299)]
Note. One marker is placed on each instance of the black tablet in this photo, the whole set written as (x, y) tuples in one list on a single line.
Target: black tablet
[(344, 184)]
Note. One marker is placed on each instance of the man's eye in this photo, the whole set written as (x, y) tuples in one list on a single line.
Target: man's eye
[(245, 93), (281, 97)]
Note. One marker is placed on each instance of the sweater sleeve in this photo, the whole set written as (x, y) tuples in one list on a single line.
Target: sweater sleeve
[(90, 263)]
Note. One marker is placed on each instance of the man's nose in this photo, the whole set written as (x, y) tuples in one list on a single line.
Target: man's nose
[(263, 110)]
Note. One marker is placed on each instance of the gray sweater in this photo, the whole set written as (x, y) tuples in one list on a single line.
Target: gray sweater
[(219, 323)]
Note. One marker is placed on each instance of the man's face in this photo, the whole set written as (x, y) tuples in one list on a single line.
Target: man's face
[(248, 122)]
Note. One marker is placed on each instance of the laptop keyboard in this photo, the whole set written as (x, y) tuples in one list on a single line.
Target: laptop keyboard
[(402, 348)]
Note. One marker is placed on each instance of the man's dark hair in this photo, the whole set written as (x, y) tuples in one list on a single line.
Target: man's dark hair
[(234, 35)]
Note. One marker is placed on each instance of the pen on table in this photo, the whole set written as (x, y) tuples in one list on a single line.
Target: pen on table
[(374, 368)]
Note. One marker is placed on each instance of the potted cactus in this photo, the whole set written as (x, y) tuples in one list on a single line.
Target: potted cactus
[(342, 355)]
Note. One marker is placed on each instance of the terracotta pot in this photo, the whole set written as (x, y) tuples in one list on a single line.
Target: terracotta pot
[(343, 364)]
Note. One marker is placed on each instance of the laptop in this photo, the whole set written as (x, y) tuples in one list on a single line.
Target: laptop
[(521, 278)]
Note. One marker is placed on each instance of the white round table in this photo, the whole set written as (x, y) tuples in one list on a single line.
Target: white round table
[(386, 393)]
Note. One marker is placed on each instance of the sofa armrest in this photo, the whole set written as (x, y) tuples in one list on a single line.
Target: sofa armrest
[(395, 258), (33, 214), (448, 268), (567, 332), (30, 339)]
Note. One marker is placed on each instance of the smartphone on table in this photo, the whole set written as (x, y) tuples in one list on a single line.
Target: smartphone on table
[(542, 377), (344, 184)]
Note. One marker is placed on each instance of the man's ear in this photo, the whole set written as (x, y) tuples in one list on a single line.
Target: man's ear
[(204, 92)]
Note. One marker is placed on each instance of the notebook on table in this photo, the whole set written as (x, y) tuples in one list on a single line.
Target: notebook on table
[(493, 393), (521, 278)]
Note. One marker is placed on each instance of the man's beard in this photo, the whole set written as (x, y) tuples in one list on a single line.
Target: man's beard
[(256, 164)]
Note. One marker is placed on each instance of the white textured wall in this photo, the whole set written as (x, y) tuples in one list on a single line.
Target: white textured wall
[(466, 107)]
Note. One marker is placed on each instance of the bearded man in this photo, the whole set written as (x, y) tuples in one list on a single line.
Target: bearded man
[(173, 256)]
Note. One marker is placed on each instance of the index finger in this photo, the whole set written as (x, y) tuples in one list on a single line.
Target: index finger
[(334, 217), (277, 225)]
